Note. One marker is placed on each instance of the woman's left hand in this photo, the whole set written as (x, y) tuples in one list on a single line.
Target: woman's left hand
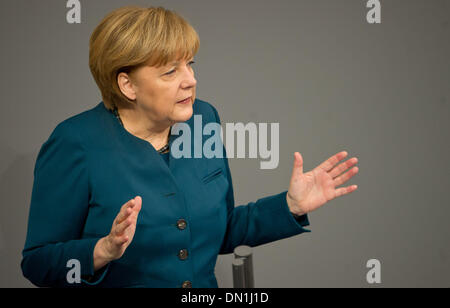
[(309, 191)]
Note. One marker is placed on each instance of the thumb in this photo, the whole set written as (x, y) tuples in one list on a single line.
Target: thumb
[(298, 164)]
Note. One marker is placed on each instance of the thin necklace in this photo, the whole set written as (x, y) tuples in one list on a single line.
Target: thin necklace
[(116, 113)]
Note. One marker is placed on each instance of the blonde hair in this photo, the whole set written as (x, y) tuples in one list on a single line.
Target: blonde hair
[(130, 37)]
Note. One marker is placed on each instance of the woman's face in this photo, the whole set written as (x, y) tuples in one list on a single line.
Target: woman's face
[(158, 90)]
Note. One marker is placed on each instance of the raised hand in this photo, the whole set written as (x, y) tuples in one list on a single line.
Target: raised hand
[(113, 246), (309, 191)]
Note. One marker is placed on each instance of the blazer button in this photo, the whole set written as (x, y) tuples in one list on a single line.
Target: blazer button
[(183, 254), (181, 224), (186, 284)]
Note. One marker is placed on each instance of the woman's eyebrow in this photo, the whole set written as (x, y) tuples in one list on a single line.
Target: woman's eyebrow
[(174, 63)]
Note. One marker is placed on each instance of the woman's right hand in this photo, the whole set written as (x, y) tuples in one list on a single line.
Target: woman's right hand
[(113, 246)]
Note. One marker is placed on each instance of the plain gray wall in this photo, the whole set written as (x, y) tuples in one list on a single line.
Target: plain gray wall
[(332, 81)]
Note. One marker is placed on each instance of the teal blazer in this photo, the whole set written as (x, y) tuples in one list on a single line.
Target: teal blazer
[(91, 165)]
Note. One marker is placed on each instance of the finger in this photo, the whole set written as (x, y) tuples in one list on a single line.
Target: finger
[(345, 190), (120, 240), (333, 160), (135, 211), (137, 204), (124, 214), (120, 228), (345, 177), (125, 210), (138, 199), (135, 214), (342, 167)]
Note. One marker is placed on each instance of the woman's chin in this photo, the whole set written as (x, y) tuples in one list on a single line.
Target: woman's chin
[(184, 113)]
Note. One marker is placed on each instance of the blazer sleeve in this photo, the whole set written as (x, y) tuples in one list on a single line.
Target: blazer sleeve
[(266, 220), (58, 210)]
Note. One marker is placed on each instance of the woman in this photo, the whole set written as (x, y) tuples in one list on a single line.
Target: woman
[(108, 195)]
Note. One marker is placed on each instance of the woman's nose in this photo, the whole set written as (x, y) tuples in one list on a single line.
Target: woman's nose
[(189, 80)]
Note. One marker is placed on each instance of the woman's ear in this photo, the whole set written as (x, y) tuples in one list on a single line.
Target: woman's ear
[(126, 85)]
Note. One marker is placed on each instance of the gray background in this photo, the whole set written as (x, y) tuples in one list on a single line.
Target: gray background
[(332, 81)]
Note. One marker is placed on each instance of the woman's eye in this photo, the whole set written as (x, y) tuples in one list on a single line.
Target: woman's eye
[(173, 71)]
